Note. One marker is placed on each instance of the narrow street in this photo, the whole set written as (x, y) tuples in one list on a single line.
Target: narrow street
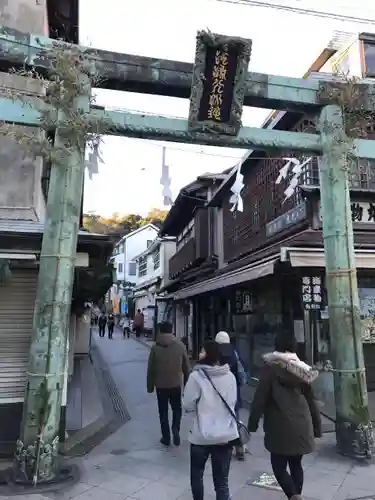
[(132, 465)]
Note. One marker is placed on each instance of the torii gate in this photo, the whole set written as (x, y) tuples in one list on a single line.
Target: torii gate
[(218, 86)]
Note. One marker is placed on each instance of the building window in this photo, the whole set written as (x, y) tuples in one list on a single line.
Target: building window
[(119, 267), (149, 243), (185, 235), (369, 58), (156, 259), (142, 266), (132, 268)]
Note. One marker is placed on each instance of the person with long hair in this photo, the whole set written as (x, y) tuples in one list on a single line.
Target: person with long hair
[(291, 418), (214, 428)]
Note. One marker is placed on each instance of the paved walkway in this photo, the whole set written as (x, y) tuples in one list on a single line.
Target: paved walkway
[(132, 465)]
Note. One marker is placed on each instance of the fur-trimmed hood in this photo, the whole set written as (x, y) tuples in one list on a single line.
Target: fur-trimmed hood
[(289, 366)]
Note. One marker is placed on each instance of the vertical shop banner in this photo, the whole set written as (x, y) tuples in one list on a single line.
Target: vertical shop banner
[(312, 292)]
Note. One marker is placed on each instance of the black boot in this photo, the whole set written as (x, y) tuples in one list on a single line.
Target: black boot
[(165, 442), (176, 439)]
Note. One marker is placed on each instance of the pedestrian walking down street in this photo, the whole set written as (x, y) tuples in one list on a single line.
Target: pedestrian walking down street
[(102, 324), (111, 325), (139, 322), (125, 325), (291, 419), (168, 368), (214, 428), (228, 355)]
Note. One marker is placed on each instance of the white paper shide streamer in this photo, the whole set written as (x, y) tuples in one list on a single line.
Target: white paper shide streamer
[(237, 186), (296, 170), (92, 160)]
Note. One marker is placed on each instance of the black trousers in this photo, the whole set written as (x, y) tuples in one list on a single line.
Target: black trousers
[(220, 462), (126, 332), (110, 330), (101, 331), (291, 483), (137, 331), (170, 397)]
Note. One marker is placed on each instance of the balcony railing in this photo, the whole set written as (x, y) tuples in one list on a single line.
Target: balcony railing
[(182, 259), (361, 174), (196, 248)]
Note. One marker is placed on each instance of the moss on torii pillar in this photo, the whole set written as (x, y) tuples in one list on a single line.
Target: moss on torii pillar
[(353, 424), (36, 458)]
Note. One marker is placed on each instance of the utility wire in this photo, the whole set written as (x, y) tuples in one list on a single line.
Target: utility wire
[(298, 10), (190, 151)]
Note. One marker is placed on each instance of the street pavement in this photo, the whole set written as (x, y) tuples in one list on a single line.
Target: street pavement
[(132, 465)]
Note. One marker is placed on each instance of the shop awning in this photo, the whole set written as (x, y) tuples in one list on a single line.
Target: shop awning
[(314, 257), (248, 273)]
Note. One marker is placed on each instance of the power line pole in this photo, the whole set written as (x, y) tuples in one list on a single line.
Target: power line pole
[(353, 424), (165, 180)]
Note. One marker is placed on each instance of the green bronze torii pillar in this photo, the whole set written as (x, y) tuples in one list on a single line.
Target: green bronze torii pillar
[(353, 428), (353, 423)]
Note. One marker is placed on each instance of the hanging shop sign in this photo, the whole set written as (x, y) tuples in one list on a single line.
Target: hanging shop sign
[(312, 292), (124, 305), (218, 84), (161, 308), (286, 220), (242, 303)]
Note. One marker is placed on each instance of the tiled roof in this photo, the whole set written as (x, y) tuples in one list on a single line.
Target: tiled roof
[(31, 227)]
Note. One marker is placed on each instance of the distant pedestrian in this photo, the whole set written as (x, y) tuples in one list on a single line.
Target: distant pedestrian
[(125, 325), (291, 418), (214, 427), (111, 325), (168, 368), (229, 355), (138, 323), (102, 321)]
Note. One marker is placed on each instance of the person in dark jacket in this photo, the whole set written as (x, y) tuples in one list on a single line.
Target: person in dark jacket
[(229, 356), (111, 325), (168, 367), (102, 322), (291, 418)]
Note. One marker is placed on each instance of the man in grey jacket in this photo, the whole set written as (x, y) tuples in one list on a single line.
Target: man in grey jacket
[(168, 368)]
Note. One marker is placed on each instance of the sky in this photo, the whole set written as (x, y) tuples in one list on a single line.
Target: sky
[(283, 44)]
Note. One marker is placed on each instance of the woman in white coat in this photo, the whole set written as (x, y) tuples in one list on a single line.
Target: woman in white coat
[(214, 429)]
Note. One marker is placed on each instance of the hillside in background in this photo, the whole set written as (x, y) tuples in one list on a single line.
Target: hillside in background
[(119, 225)]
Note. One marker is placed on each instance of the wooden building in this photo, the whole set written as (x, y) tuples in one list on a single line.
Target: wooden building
[(270, 272)]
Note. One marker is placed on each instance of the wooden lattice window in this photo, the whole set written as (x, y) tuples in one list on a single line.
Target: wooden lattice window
[(264, 200)]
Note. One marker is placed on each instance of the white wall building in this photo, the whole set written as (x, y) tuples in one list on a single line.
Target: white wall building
[(124, 260), (128, 248), (152, 274)]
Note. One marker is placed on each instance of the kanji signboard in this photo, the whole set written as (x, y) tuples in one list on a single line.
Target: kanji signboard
[(363, 211), (312, 292), (243, 302), (218, 85)]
